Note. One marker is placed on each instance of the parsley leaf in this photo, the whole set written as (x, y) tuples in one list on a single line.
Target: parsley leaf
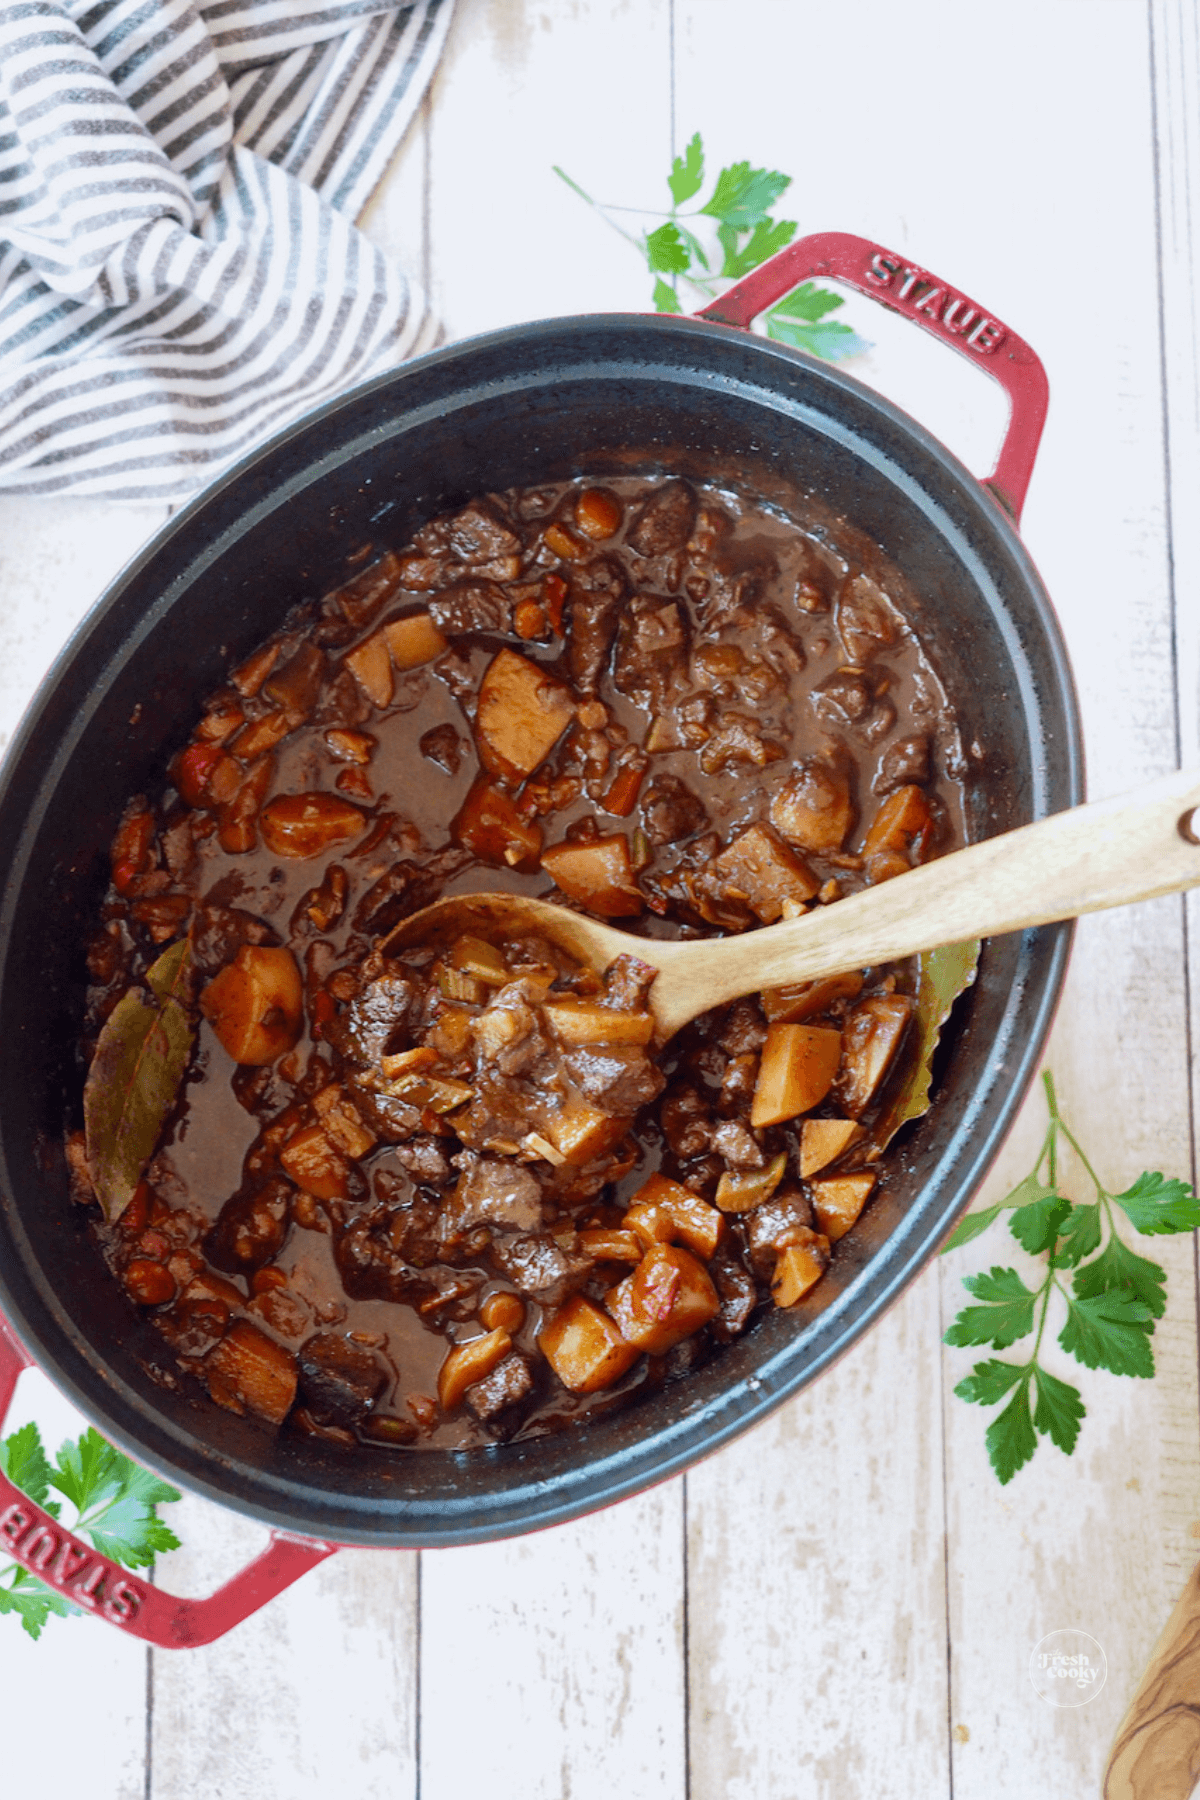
[(807, 302), (1110, 1331), (989, 1381), (114, 1503), (1060, 1411), (666, 250), (1154, 1206), (744, 196), (973, 1226), (1119, 1269), (1036, 1226), (1006, 1316), (665, 298), (1079, 1234), (115, 1500), (765, 239), (687, 172), (23, 1460), (1010, 1440), (830, 341)]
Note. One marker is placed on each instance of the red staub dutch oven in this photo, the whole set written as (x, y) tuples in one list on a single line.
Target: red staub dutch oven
[(596, 396)]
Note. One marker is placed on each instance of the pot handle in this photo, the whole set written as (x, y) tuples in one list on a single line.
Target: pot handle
[(905, 287), (81, 1575)]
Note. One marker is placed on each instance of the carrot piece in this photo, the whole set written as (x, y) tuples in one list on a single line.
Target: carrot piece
[(796, 1072), (554, 594), (529, 620), (621, 797)]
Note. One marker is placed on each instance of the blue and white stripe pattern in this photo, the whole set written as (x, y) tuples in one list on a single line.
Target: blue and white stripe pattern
[(179, 270)]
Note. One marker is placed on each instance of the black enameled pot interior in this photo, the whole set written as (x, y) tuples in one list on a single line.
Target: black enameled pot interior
[(539, 402)]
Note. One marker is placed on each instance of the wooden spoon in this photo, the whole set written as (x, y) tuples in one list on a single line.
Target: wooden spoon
[(1110, 853)]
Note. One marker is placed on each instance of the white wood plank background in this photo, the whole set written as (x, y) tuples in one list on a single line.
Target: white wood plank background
[(844, 1603)]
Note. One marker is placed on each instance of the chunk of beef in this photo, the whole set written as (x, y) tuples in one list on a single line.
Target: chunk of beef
[(846, 694), (745, 1029), (663, 524), (739, 1297), (686, 1121), (509, 1382), (471, 606), (413, 1228), (768, 1226), (404, 889), (492, 1193), (540, 1267), (619, 1079), (671, 811), (598, 591), (904, 762), (864, 619), (339, 1379), (479, 534), (218, 933), (372, 1268), (651, 659), (425, 1159), (376, 1015), (343, 703), (443, 746), (250, 1228), (738, 1145)]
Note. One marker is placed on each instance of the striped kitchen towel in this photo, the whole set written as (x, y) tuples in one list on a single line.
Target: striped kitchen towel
[(179, 269)]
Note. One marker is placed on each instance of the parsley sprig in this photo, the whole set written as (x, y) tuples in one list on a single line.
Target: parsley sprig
[(738, 214), (114, 1505), (1112, 1305)]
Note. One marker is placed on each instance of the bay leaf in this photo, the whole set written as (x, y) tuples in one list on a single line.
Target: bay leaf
[(140, 1060), (942, 975)]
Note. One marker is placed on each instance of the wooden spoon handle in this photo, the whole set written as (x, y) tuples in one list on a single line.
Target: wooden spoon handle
[(1110, 853), (1156, 1754)]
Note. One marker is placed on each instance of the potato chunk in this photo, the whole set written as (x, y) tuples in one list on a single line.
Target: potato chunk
[(804, 999), (489, 825), (668, 1297), (576, 1021), (874, 1031), (838, 1200), (903, 817), (696, 1224), (800, 1266), (313, 1161), (249, 1372), (822, 1141), (796, 1072), (814, 810), (413, 641), (370, 663), (580, 1131), (759, 866), (599, 873), (254, 1004), (585, 1348), (523, 711)]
